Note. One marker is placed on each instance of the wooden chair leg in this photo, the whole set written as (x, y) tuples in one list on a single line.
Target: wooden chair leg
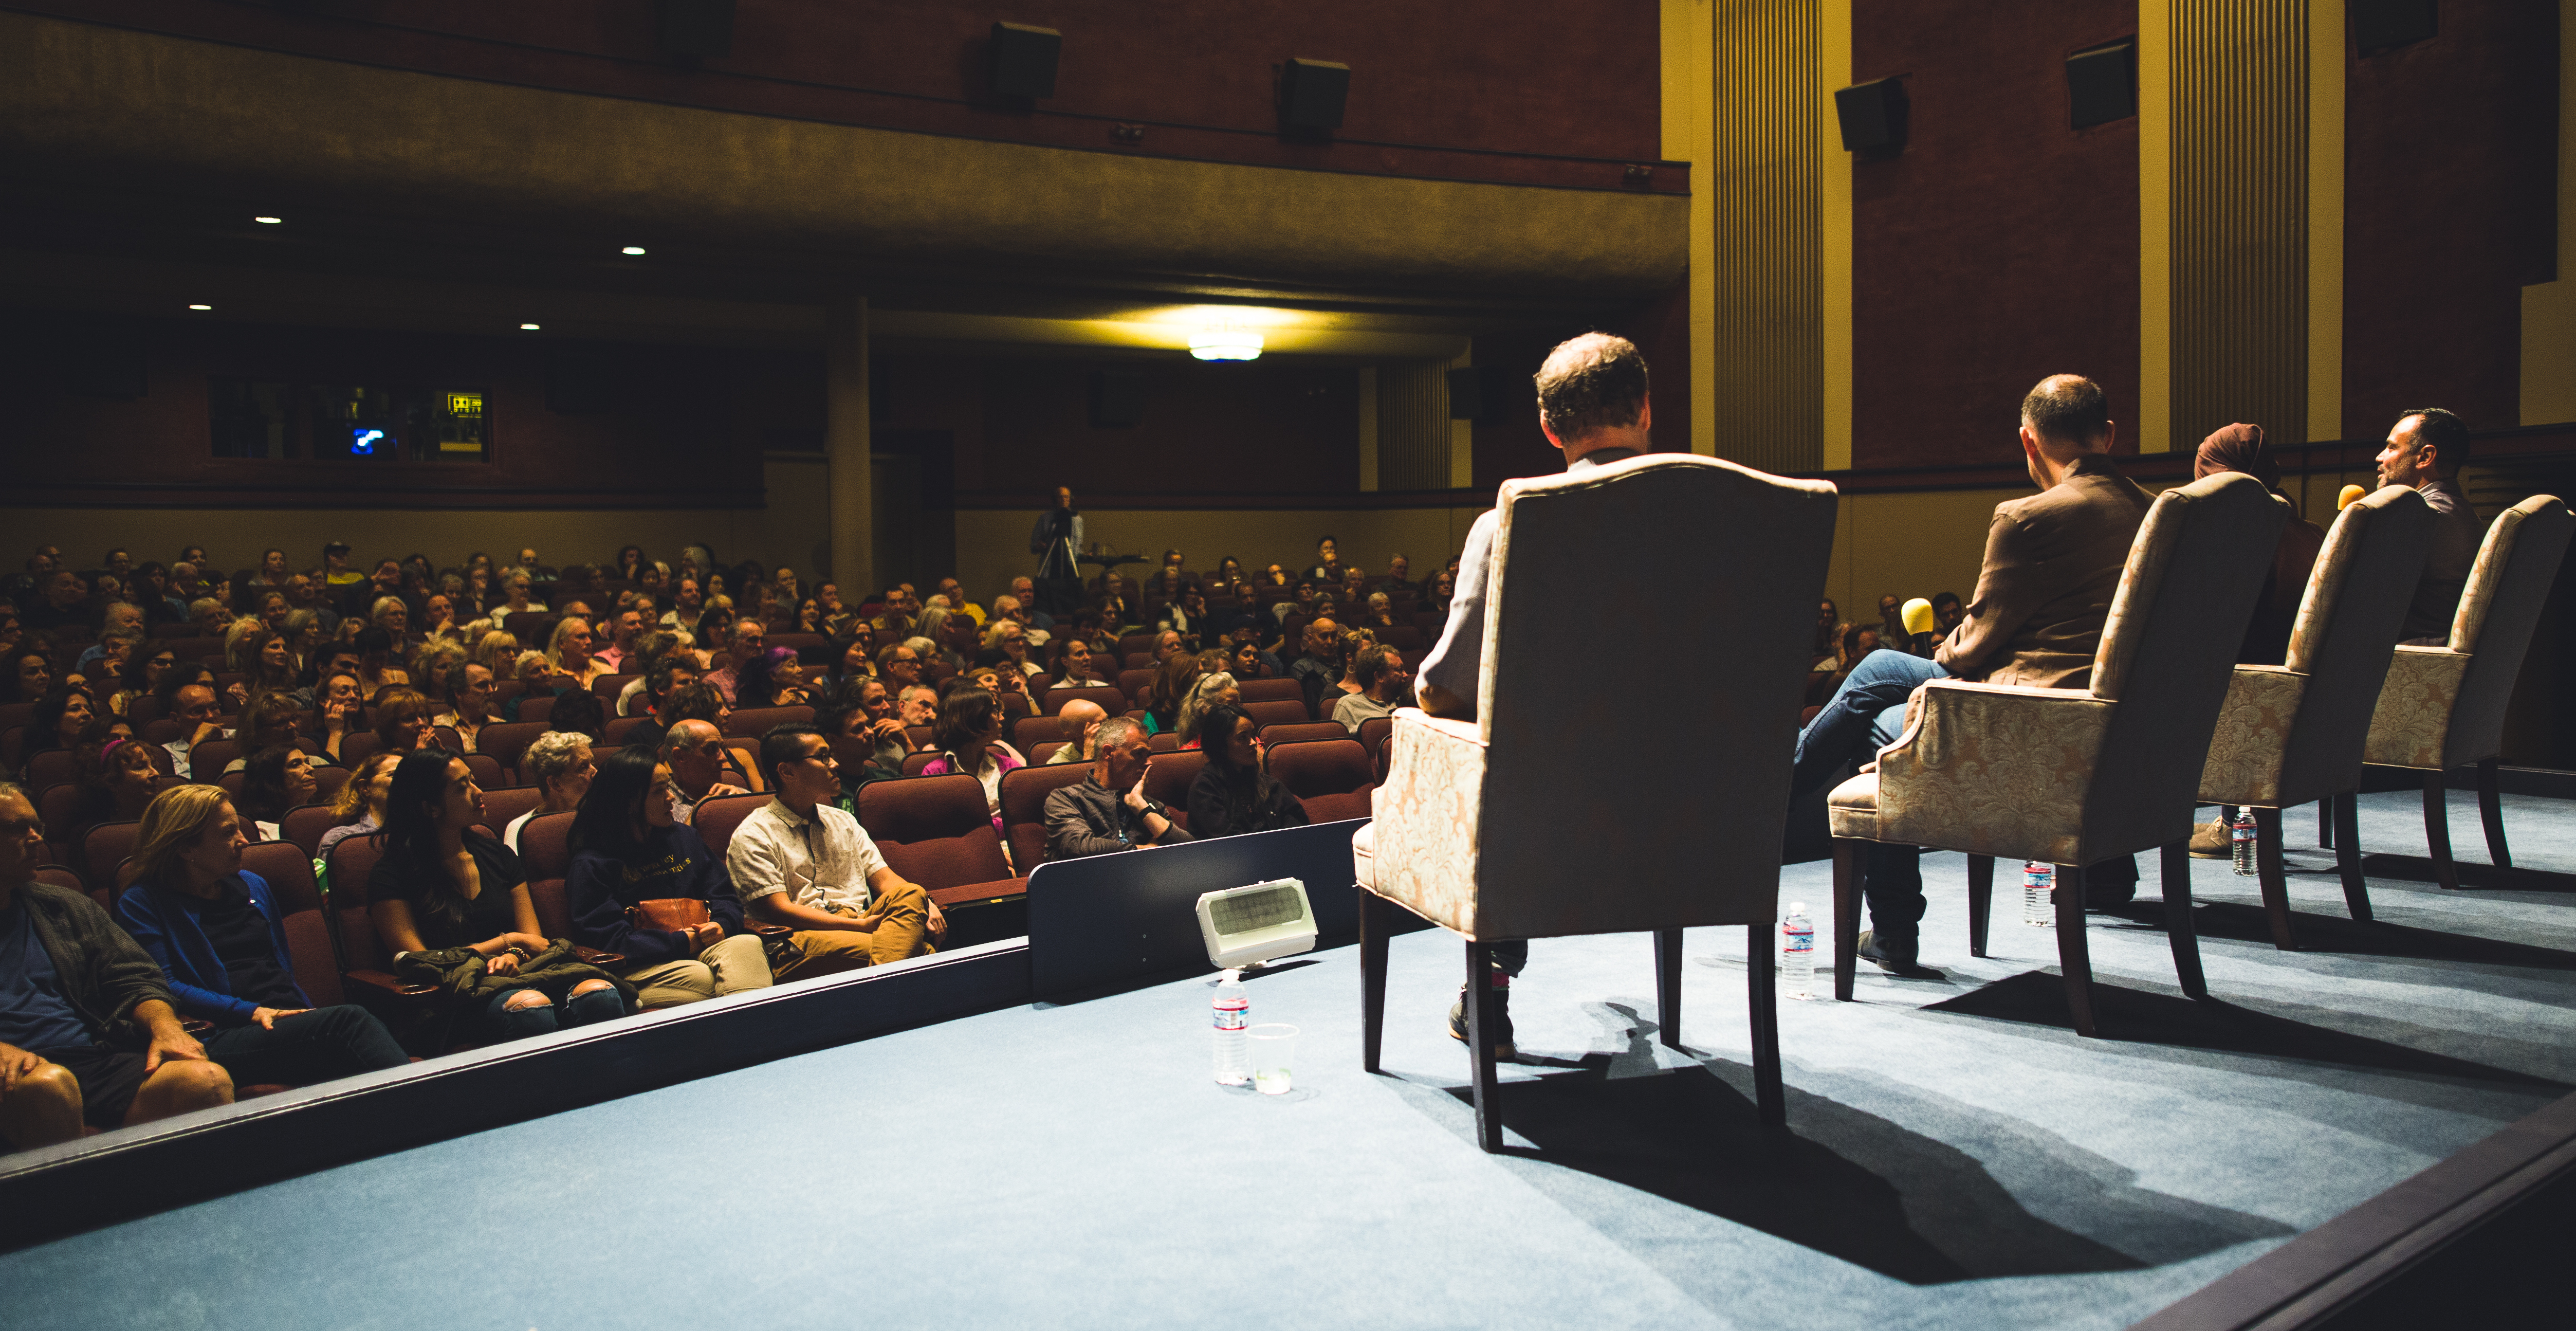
[(2325, 823), (1484, 1022), (1847, 868), (2276, 883), (2491, 812), (2356, 891), (2180, 931), (1668, 985), (1981, 901), (2437, 831), (1377, 917), (1764, 990), (2074, 957)]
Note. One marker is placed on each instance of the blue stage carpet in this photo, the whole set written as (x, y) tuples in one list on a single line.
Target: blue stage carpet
[(1956, 1159)]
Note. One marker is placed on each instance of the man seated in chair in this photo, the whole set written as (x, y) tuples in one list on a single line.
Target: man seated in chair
[(802, 861), (1110, 812), (2424, 452), (1592, 404), (2053, 562)]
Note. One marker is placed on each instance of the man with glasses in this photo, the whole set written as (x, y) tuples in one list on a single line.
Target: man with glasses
[(1109, 812), (749, 639), (900, 667), (88, 1033), (803, 862)]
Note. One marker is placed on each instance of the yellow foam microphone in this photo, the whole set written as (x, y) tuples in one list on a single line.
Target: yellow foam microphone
[(2349, 494), (1918, 616)]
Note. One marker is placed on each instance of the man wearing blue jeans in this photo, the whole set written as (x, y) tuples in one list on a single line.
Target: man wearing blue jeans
[(2052, 564)]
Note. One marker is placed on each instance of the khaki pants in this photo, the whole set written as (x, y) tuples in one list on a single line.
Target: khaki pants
[(903, 931), (733, 965)]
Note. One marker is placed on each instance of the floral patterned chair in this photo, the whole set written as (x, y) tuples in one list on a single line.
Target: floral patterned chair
[(2072, 777), (1522, 824), (2443, 707), (2293, 732)]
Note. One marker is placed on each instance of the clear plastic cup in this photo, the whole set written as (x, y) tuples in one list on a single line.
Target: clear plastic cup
[(1274, 1049)]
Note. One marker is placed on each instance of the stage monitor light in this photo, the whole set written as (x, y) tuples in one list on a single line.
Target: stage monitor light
[(1244, 926), (268, 221), (1023, 61), (636, 251)]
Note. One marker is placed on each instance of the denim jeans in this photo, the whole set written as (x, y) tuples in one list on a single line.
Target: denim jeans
[(503, 1022), (307, 1047)]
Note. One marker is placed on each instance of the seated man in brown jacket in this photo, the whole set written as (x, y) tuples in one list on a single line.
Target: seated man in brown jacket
[(2052, 563)]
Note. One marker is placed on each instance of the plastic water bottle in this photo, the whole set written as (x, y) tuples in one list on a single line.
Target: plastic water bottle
[(2240, 839), (1232, 1012), (1798, 952), (2038, 894)]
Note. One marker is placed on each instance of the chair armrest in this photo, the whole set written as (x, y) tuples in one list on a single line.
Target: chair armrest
[(387, 986), (1464, 732), (1986, 766), (2413, 718), (2252, 736), (197, 1026), (979, 894), (1429, 814), (765, 928), (596, 957)]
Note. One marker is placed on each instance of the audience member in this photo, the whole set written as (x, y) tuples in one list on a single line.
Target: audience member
[(1081, 719), (1233, 794), (1079, 670), (1109, 811), (116, 781), (376, 670), (1319, 670), (2424, 452), (802, 862), (89, 1031), (31, 674), (452, 907), (220, 940), (360, 805), (2241, 448), (968, 736), (469, 703), (560, 765), (1173, 676), (198, 722), (402, 720), (695, 752), (745, 641), (772, 679), (274, 780), (1384, 686), (1212, 689), (644, 886)]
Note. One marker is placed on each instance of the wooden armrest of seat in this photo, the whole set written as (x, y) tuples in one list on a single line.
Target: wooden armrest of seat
[(766, 929), (388, 986), (197, 1026), (596, 957), (979, 894)]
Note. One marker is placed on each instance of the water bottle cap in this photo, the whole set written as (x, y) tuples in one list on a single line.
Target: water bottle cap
[(1797, 908)]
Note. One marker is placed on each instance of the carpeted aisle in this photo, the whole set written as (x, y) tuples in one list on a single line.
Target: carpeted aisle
[(1957, 1158)]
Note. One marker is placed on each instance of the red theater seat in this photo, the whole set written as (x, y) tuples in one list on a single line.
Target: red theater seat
[(936, 832), (1024, 793), (1332, 778)]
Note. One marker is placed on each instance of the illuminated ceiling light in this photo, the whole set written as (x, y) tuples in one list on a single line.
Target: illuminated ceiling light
[(268, 221), (636, 250), (201, 307), (1224, 343), (527, 328)]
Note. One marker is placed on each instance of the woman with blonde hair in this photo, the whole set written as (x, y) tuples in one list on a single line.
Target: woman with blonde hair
[(360, 805), (241, 654), (1214, 689), (568, 651), (220, 939)]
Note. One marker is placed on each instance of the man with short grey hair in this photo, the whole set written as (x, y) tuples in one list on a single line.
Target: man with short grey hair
[(694, 751), (1109, 812)]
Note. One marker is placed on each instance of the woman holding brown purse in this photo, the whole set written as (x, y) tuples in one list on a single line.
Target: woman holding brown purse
[(643, 885)]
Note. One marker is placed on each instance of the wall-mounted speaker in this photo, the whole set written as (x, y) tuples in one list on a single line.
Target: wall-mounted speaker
[(2102, 84), (1311, 93), (697, 27), (1872, 115), (1117, 400), (1024, 60), (2385, 25)]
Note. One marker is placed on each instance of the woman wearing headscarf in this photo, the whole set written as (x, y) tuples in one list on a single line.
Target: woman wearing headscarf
[(2241, 448)]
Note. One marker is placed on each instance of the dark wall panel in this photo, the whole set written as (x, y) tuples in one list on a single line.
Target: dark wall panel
[(1208, 428), (2000, 246), (2450, 173)]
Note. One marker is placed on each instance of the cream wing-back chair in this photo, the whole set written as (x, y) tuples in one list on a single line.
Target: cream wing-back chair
[(2072, 777), (2293, 732), (1543, 817), (2443, 707)]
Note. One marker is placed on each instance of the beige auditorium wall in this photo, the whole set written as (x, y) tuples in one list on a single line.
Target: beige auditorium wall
[(790, 530), (993, 544)]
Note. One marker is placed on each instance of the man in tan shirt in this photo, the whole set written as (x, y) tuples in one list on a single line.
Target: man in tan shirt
[(2053, 562)]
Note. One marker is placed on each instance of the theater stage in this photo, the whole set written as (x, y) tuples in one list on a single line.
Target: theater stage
[(1955, 1158)]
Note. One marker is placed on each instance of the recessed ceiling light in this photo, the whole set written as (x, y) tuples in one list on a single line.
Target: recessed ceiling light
[(527, 328), (268, 221), (201, 307), (632, 249)]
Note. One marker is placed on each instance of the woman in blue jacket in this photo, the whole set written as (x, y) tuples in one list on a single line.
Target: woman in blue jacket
[(217, 933)]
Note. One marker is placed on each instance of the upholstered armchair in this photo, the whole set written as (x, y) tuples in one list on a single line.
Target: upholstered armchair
[(2443, 707), (2293, 732), (1529, 822), (2072, 777)]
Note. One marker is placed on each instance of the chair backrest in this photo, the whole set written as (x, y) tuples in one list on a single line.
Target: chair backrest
[(914, 762), (1656, 531), (56, 805), (2168, 650), (1279, 712), (208, 760), (716, 819), (1024, 794), (304, 825), (1300, 732), (354, 747), (1134, 682), (545, 846), (288, 870), (1044, 751), (539, 707), (613, 735), (2354, 604), (488, 772), (502, 806), (934, 830), (2508, 586), (505, 742), (53, 767), (1170, 778), (607, 687), (1374, 732), (353, 860), (754, 722), (1111, 700), (1029, 732), (107, 846), (1321, 767)]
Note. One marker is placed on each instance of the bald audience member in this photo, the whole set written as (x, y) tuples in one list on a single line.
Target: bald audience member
[(2053, 561), (1080, 718)]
